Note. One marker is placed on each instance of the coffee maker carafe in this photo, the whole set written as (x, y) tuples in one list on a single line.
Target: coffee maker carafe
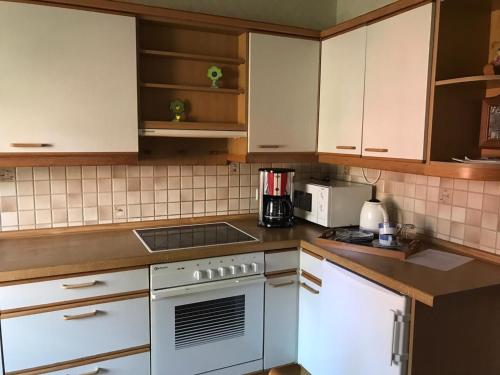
[(275, 197)]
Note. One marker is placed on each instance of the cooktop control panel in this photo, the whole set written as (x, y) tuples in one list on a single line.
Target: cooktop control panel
[(169, 275)]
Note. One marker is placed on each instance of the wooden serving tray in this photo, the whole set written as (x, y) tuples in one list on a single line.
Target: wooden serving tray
[(408, 248)]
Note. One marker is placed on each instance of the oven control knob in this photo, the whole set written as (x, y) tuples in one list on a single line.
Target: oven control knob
[(255, 267), (199, 275), (211, 274), (245, 268), (222, 271), (233, 270)]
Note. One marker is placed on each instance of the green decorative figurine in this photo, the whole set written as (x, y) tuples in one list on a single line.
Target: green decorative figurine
[(214, 74), (177, 107)]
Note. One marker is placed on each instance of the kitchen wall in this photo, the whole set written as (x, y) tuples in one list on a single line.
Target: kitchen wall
[(461, 211), (32, 198), (317, 14), (347, 9)]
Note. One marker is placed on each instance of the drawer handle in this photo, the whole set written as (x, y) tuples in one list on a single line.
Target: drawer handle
[(308, 288), (93, 372), (81, 285), (81, 316), (30, 145), (291, 282), (370, 149), (270, 146), (346, 147)]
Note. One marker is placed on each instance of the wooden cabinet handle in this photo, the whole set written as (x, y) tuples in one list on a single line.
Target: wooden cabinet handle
[(346, 147), (30, 145), (370, 149), (280, 285), (81, 316), (77, 286), (308, 288), (93, 372), (270, 146)]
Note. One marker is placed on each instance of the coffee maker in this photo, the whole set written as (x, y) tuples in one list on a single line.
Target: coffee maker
[(275, 197)]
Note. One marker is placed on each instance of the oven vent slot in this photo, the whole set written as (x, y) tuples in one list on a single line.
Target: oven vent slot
[(204, 322)]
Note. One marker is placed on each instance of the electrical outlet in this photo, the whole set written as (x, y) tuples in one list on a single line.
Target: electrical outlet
[(7, 174), (119, 212)]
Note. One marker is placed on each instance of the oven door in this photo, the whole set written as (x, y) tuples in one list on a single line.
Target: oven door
[(205, 327)]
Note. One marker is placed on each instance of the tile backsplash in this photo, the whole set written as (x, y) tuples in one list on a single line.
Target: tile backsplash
[(461, 211), (43, 197)]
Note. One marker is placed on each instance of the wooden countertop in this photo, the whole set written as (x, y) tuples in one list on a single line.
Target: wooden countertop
[(23, 258), (422, 283), (36, 256)]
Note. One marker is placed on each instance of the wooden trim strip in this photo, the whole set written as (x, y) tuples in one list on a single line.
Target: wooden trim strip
[(44, 159), (183, 17), (63, 277), (57, 306), (82, 361), (314, 255), (311, 278), (282, 250), (373, 16), (283, 273)]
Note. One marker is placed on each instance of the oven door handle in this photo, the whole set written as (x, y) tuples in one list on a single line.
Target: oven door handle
[(206, 287)]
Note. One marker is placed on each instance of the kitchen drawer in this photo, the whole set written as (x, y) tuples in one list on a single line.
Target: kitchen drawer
[(72, 288), (137, 364), (311, 264), (63, 335), (282, 261)]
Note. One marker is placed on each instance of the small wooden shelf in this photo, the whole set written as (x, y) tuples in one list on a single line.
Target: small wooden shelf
[(190, 125), (194, 57), (192, 88), (470, 79), (188, 133)]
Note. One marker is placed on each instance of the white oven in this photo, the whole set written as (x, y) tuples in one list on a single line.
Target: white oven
[(207, 316)]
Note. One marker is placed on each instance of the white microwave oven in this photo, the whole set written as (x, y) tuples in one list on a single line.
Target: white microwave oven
[(331, 204)]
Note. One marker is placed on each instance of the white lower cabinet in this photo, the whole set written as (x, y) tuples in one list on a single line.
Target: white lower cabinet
[(137, 364), (280, 321), (310, 327), (63, 335)]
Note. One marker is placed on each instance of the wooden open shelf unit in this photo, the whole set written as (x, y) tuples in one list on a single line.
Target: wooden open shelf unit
[(465, 36), (173, 64)]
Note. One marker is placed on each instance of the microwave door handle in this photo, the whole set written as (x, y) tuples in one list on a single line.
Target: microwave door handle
[(206, 287)]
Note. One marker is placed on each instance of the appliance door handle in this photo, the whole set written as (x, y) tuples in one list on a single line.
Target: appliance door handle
[(308, 288), (81, 285), (206, 287), (280, 285)]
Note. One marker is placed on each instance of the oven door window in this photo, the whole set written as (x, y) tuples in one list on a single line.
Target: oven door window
[(205, 322), (201, 332)]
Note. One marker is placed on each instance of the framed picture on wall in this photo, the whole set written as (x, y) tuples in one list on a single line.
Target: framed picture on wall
[(490, 123)]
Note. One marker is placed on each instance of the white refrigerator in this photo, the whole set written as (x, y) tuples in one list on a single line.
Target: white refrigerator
[(360, 327)]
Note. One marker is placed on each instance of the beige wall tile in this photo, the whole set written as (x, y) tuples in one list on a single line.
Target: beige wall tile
[(41, 173), (475, 200), (89, 172), (460, 184), (491, 203), (8, 204), (476, 186), (7, 189), (460, 198), (25, 188), (25, 203), (24, 174), (489, 221)]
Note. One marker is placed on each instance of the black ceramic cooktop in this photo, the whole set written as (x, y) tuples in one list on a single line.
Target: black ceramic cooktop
[(186, 236)]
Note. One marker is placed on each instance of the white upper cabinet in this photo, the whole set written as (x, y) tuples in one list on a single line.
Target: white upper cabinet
[(282, 94), (342, 92), (396, 85), (68, 82)]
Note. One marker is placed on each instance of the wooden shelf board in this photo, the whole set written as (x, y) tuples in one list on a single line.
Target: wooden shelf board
[(195, 57), (188, 133), (191, 125), (483, 172), (192, 88), (470, 79)]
